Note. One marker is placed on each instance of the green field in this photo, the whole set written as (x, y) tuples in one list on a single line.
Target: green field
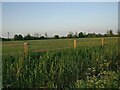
[(90, 65), (14, 47)]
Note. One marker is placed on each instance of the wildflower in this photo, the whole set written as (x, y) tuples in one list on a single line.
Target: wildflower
[(98, 75), (93, 70), (104, 72), (96, 83), (101, 65), (96, 59), (104, 82), (87, 77), (107, 64), (89, 68), (102, 86)]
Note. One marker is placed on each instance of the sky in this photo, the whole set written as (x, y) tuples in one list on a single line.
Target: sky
[(58, 17), (119, 16), (60, 0), (0, 19)]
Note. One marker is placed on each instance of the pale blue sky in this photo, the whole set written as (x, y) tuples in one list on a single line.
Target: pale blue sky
[(58, 18), (60, 0), (0, 19), (119, 16)]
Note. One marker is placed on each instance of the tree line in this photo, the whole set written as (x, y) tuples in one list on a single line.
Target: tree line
[(38, 36)]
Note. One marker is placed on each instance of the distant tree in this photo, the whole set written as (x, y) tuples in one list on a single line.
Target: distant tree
[(110, 33), (94, 35), (56, 36), (89, 35), (81, 35), (16, 37), (28, 37), (99, 35), (42, 37), (37, 35), (4, 39), (76, 35), (20, 37), (84, 34), (105, 35), (63, 37), (70, 35)]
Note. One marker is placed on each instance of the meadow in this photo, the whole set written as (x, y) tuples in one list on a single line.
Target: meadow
[(15, 47), (90, 65)]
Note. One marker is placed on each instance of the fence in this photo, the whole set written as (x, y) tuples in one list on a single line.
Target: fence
[(26, 46)]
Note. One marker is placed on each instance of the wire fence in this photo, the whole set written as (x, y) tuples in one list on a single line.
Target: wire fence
[(19, 47), (26, 46)]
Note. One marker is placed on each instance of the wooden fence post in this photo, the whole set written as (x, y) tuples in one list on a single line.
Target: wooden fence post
[(102, 41), (25, 48), (74, 43)]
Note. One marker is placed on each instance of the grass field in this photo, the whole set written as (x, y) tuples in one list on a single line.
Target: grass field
[(88, 66), (13, 47)]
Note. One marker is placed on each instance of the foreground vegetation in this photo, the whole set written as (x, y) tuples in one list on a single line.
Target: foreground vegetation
[(84, 67)]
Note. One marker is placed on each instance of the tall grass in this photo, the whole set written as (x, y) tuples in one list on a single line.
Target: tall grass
[(83, 67)]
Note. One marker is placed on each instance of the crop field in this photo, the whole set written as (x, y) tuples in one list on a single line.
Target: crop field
[(90, 65)]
